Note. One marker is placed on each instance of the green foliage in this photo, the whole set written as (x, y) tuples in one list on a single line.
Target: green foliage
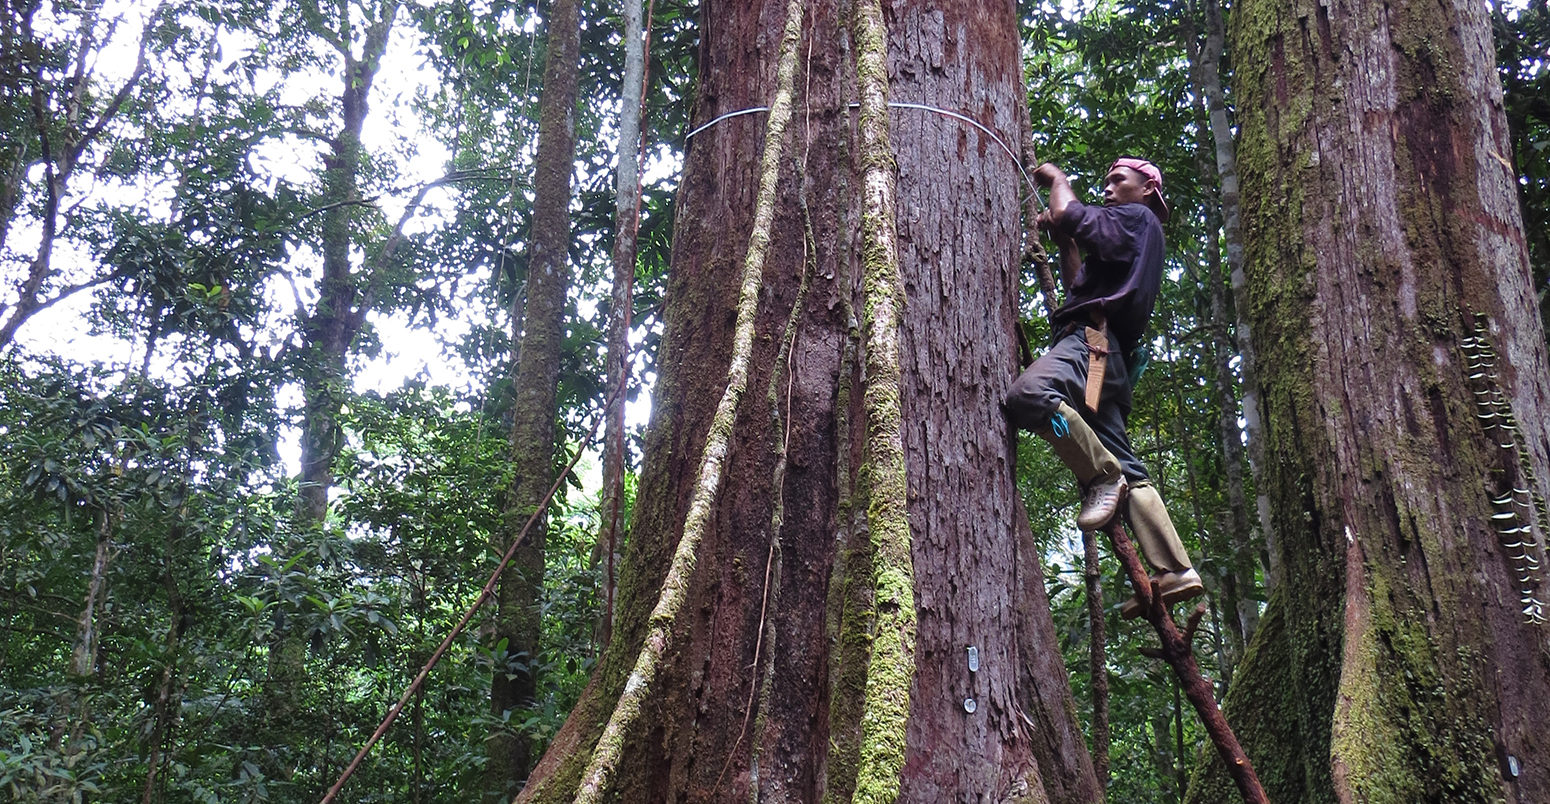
[(198, 241), (194, 223), (205, 574)]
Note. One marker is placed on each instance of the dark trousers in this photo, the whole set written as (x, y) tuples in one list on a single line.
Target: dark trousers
[(1061, 376)]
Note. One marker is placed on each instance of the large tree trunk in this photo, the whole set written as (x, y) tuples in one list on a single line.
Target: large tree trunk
[(765, 686), (1405, 656), (542, 341)]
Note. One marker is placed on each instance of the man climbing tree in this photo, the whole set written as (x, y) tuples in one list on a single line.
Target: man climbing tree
[(1098, 332)]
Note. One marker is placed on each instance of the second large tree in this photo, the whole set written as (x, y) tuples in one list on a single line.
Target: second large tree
[(1405, 656)]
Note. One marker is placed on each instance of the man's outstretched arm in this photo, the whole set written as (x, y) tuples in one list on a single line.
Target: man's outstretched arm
[(1060, 198)]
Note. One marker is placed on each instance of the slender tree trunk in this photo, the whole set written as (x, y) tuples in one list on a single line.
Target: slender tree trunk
[(418, 596), (417, 777), (1241, 558), (1180, 778), (83, 657), (14, 159), (517, 619), (771, 675), (1404, 656), (1238, 545), (626, 224), (1228, 540), (1211, 90), (164, 715), (88, 636), (1097, 656), (327, 334), (16, 153)]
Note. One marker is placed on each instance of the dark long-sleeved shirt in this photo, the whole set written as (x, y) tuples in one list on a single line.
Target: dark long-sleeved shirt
[(1122, 272)]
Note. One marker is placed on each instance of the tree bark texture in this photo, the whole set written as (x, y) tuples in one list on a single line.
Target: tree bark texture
[(1405, 656), (542, 342), (763, 690)]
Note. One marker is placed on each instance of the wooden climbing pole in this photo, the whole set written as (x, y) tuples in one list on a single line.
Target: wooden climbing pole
[(1177, 653)]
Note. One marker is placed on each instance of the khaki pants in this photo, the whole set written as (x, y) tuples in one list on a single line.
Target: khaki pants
[(1061, 376)]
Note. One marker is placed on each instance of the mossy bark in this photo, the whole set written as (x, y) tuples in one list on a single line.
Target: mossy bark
[(890, 666), (541, 342), (797, 492), (606, 756), (1380, 227)]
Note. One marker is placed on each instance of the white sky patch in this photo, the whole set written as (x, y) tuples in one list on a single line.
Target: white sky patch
[(393, 132)]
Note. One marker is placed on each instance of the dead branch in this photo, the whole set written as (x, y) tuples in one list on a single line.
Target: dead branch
[(1175, 650)]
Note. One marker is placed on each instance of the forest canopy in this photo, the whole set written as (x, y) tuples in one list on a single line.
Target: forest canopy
[(270, 287)]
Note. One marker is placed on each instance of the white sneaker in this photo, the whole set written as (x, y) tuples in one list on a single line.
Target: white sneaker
[(1101, 502)]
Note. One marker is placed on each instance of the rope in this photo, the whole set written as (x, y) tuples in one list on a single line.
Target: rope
[(727, 116), (971, 121), (903, 105)]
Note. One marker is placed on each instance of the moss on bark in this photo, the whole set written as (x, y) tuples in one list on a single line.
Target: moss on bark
[(1374, 228), (597, 779), (892, 661), (1265, 719), (826, 716)]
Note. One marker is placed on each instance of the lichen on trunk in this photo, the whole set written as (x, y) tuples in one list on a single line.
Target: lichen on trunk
[(540, 336), (675, 587), (891, 663)]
